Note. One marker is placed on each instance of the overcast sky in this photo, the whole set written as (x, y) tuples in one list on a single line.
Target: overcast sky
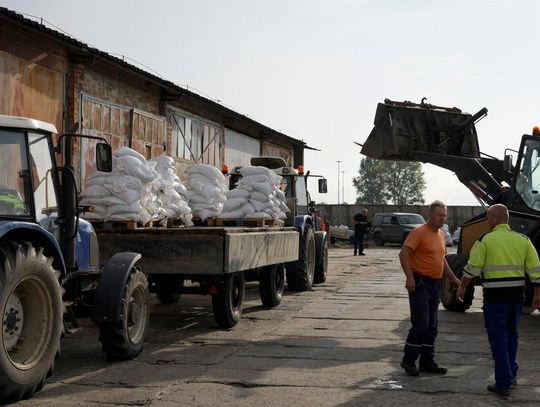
[(316, 70)]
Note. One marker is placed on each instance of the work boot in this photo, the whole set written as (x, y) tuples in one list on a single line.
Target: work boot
[(410, 368), (514, 383), (433, 368), (361, 254), (354, 254), (494, 389)]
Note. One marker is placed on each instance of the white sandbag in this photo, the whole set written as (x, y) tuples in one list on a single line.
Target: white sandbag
[(237, 214), (119, 180), (206, 170), (256, 178), (254, 170), (130, 165), (233, 204), (261, 206), (162, 161), (279, 193), (125, 209), (237, 193), (248, 209), (95, 191), (258, 196), (262, 187), (126, 151), (283, 206)]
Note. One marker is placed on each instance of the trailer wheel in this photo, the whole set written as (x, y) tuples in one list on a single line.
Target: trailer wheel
[(448, 293), (168, 289), (125, 339), (227, 303), (272, 284), (332, 240), (300, 273), (32, 309), (321, 268)]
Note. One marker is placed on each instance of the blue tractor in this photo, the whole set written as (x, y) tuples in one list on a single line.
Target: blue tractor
[(49, 262), (312, 264)]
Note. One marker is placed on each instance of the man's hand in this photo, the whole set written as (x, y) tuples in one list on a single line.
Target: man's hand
[(410, 284), (460, 292)]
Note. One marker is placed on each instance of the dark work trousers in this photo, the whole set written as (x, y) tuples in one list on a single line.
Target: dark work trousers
[(424, 304), (501, 322), (359, 241)]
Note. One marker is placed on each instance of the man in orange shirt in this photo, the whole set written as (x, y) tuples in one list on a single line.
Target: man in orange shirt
[(423, 262)]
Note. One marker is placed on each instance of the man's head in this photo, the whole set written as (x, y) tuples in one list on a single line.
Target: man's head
[(436, 214), (364, 211), (497, 214)]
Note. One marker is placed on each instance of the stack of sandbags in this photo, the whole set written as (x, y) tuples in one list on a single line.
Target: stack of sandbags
[(170, 191), (257, 195), (124, 193), (206, 187)]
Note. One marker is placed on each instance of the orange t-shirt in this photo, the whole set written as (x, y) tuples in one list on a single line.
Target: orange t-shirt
[(428, 248)]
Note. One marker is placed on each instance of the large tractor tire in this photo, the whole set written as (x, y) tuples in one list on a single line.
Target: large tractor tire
[(300, 274), (448, 293), (228, 302), (321, 265), (272, 284), (32, 313), (124, 339)]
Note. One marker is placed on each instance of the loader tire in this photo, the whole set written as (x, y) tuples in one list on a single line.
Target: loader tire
[(448, 293)]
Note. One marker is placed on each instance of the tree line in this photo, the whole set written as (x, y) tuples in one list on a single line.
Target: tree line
[(383, 181)]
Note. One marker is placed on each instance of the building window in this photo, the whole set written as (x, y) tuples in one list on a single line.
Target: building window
[(194, 140)]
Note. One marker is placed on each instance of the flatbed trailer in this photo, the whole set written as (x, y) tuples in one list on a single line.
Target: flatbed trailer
[(217, 259)]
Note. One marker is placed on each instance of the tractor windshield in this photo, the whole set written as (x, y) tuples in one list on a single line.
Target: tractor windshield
[(528, 178), (14, 169)]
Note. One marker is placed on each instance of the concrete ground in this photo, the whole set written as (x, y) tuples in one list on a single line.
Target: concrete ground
[(337, 345)]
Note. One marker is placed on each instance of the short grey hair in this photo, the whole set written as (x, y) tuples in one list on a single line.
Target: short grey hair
[(436, 204)]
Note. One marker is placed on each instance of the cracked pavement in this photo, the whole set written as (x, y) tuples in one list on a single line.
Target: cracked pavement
[(337, 345)]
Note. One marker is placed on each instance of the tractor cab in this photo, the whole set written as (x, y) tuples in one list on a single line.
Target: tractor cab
[(28, 185)]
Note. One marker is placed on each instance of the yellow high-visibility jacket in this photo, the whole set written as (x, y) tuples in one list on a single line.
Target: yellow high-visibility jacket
[(501, 258)]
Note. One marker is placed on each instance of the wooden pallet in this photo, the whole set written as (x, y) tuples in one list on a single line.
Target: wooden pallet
[(250, 222), (211, 221), (175, 223), (128, 224)]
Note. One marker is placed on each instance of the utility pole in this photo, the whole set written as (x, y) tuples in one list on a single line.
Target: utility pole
[(338, 163), (343, 186)]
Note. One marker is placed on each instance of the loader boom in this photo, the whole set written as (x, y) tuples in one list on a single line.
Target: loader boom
[(443, 136)]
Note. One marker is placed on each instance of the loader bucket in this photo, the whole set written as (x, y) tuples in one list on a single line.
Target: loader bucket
[(403, 129)]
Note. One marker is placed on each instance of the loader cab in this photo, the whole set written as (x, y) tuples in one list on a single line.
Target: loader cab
[(527, 172), (28, 185)]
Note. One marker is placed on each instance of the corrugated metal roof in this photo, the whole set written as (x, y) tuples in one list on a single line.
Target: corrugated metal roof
[(88, 50)]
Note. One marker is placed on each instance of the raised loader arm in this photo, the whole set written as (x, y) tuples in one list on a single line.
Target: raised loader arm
[(442, 136)]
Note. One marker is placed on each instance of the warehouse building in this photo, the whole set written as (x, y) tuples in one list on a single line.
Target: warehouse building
[(47, 75)]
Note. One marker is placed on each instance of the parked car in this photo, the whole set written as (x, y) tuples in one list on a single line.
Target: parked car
[(455, 235), (447, 235), (393, 227)]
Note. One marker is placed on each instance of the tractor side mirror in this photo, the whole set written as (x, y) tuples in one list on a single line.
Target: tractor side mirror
[(507, 163), (323, 187), (104, 157)]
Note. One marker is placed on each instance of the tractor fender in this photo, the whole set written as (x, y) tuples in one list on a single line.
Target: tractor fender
[(320, 237), (300, 223), (38, 236), (110, 290)]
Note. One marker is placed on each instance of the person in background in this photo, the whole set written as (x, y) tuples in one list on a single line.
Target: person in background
[(361, 224), (501, 258), (422, 258)]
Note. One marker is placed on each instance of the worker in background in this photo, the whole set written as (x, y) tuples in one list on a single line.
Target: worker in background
[(423, 261), (501, 258), (361, 225)]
